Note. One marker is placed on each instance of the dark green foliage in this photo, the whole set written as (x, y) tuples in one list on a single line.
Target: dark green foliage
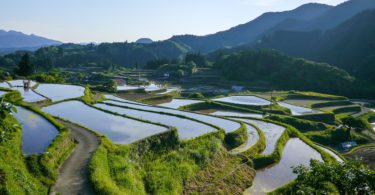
[(25, 67), (358, 123), (300, 124), (281, 71), (331, 103), (349, 45), (196, 95), (236, 138), (334, 137), (13, 96), (197, 58), (49, 77), (328, 118), (351, 177), (155, 64), (347, 109)]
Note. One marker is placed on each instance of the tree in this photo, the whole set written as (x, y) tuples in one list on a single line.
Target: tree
[(350, 177), (25, 68)]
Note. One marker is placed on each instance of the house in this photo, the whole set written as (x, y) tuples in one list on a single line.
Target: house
[(237, 88)]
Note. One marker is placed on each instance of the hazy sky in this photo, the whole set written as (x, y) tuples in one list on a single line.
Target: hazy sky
[(121, 20)]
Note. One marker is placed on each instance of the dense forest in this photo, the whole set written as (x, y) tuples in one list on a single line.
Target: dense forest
[(272, 69)]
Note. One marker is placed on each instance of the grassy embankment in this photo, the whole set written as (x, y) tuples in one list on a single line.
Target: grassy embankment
[(163, 164), (43, 167)]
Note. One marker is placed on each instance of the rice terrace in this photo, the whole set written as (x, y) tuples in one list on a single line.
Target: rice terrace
[(283, 104)]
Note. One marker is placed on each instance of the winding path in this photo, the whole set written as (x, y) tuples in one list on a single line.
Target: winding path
[(74, 174)]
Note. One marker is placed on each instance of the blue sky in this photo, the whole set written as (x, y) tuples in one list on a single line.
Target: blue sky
[(120, 20)]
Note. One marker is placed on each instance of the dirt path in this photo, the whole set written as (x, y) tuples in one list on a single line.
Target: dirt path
[(74, 175)]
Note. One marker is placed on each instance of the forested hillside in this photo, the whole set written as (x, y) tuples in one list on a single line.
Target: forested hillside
[(271, 69), (350, 46)]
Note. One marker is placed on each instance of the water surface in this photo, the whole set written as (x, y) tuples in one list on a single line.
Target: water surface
[(169, 90), (225, 124), (37, 132), (298, 110), (118, 129), (244, 100), (2, 93), (271, 132), (331, 153), (295, 152), (176, 103), (236, 114), (4, 85), (19, 83), (57, 92), (252, 139), (28, 94), (187, 129)]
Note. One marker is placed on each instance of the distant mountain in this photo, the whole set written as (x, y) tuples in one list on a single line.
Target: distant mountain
[(13, 41), (350, 45), (250, 31), (144, 41), (307, 17)]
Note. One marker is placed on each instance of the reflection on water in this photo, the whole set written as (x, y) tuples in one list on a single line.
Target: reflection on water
[(4, 85), (57, 92), (176, 103), (271, 132), (225, 124), (253, 137), (236, 114), (119, 129), (295, 152), (331, 153), (298, 110), (37, 132), (28, 95), (245, 100), (186, 128)]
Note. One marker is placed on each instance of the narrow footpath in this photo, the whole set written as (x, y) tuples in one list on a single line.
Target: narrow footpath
[(74, 174)]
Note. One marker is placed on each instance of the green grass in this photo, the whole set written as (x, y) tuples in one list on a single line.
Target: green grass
[(300, 124), (15, 178)]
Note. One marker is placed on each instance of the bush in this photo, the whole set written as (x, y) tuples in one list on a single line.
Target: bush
[(196, 95)]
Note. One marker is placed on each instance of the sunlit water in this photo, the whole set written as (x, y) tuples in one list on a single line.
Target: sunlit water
[(176, 103), (271, 132), (244, 100), (225, 124), (28, 95), (236, 114), (331, 153), (112, 97), (118, 129), (295, 152), (37, 132), (4, 85), (186, 128), (19, 83), (57, 92), (298, 110), (252, 139), (2, 93)]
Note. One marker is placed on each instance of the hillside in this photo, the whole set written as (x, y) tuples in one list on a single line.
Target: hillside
[(248, 32), (12, 41), (104, 55), (350, 46), (273, 70)]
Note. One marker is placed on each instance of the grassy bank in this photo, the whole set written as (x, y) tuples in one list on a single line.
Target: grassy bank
[(15, 177), (161, 165)]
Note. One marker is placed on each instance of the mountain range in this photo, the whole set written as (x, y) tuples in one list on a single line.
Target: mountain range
[(12, 41)]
